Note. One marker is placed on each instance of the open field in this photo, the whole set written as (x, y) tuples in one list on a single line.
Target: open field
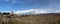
[(34, 19), (40, 19)]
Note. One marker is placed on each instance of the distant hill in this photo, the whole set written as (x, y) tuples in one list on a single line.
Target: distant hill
[(40, 14), (48, 14)]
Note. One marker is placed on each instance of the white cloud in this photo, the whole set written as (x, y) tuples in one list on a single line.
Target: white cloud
[(37, 11)]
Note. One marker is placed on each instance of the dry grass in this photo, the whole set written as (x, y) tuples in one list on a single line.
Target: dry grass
[(37, 19), (40, 19)]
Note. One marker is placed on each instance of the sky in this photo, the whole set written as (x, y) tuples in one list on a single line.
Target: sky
[(24, 5)]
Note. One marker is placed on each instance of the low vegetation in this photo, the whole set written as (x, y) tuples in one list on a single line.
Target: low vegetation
[(16, 22), (32, 19)]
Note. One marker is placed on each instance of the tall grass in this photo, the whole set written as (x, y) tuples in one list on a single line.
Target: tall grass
[(16, 22)]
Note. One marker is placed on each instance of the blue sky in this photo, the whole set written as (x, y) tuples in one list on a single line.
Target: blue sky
[(15, 5)]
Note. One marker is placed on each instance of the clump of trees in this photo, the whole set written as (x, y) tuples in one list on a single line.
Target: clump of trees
[(24, 15)]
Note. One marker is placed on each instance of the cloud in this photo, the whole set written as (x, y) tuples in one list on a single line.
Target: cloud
[(37, 11), (14, 1), (7, 0)]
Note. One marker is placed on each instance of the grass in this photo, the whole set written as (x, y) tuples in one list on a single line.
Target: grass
[(16, 22), (44, 19), (58, 22)]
